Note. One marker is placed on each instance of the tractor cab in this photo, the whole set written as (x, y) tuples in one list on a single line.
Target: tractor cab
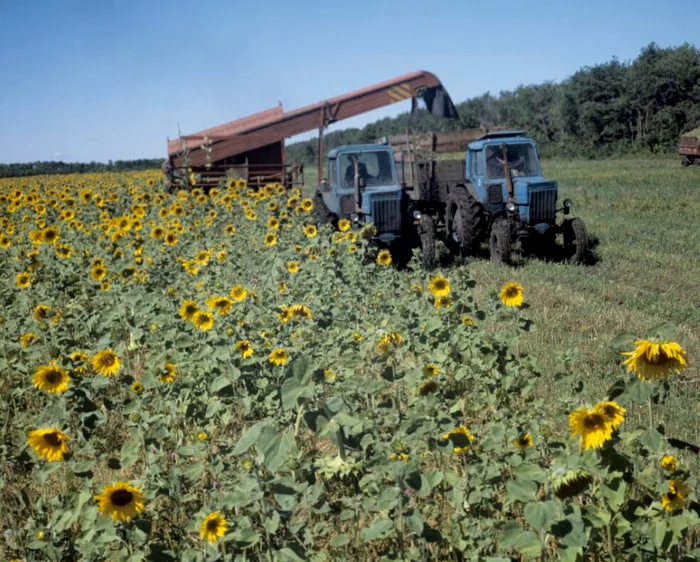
[(363, 186), (504, 169)]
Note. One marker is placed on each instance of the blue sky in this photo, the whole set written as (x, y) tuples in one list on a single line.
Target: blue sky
[(111, 79)]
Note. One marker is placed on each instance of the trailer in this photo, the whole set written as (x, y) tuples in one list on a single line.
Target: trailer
[(252, 148), (689, 147)]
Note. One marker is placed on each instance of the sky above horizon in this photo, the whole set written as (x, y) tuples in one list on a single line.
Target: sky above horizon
[(111, 80)]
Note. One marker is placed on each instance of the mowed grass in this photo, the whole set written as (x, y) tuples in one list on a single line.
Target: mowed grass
[(644, 215)]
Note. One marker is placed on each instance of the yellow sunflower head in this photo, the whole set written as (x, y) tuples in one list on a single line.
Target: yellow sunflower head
[(238, 293), (48, 443), (674, 499), (593, 427), (270, 239), (343, 225), (106, 362), (188, 310), (41, 312), (439, 286), (524, 441), (221, 305), (384, 258), (168, 374), (669, 463), (512, 294), (203, 320), (244, 348), (655, 360), (461, 439), (121, 501), (430, 370), (213, 527), (278, 356), (293, 267), (51, 378)]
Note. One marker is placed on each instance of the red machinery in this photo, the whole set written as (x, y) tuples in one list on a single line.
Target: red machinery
[(254, 145)]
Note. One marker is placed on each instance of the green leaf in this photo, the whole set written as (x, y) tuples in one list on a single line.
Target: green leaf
[(652, 440), (287, 555), (540, 515), (379, 529), (614, 493), (522, 490), (213, 407), (528, 471), (657, 532), (340, 540), (129, 453), (193, 471), (514, 537), (272, 523), (275, 447), (623, 341), (293, 389), (219, 383), (248, 438)]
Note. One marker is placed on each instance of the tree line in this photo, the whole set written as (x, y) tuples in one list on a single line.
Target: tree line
[(611, 108), (46, 168)]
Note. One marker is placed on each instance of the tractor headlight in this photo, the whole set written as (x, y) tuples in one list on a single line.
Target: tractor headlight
[(354, 217), (510, 207), (416, 215), (567, 203)]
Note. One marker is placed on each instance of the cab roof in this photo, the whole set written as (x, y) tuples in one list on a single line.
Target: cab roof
[(501, 137), (357, 148)]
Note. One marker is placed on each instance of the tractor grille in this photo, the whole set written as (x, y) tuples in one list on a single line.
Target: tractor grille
[(542, 203), (386, 214)]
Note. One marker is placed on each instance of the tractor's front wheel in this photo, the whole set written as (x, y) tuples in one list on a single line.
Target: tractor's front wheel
[(575, 240), (322, 213), (500, 242), (466, 222), (426, 230)]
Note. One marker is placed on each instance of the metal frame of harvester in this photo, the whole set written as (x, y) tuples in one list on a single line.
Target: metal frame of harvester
[(252, 148)]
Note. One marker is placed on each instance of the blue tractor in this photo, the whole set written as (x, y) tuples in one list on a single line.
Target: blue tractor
[(496, 193), (363, 185)]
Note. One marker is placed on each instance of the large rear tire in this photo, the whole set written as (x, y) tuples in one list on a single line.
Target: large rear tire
[(500, 242), (466, 222), (322, 214), (427, 241), (575, 241)]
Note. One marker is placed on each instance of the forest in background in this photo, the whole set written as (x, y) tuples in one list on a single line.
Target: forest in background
[(612, 108)]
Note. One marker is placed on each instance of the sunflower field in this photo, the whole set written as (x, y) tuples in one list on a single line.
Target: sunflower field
[(217, 377)]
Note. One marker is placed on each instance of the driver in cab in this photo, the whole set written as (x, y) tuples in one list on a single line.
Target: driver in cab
[(349, 180)]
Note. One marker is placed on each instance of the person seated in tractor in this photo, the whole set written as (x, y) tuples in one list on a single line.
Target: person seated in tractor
[(349, 180)]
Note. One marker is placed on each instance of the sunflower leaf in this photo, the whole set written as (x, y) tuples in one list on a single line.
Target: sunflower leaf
[(248, 438)]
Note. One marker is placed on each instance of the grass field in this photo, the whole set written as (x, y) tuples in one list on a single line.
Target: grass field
[(642, 214)]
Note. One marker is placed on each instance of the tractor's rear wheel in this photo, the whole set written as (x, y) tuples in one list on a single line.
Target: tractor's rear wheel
[(575, 240), (466, 222), (322, 214), (426, 230), (500, 242)]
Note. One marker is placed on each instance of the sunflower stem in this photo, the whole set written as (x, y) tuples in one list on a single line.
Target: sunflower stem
[(651, 414), (297, 425), (610, 542)]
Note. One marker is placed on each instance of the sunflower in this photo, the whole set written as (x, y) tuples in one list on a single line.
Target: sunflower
[(230, 230), (188, 310), (121, 501), (570, 483), (281, 287), (278, 357), (439, 286), (51, 234), (301, 311), (238, 293), (310, 231), (98, 273), (158, 233), (213, 527), (399, 457), (343, 225), (48, 443), (292, 266), (352, 249), (306, 205), (222, 305), (244, 348), (105, 286), (106, 362), (203, 320), (443, 302), (669, 463), (430, 370), (273, 223), (467, 321), (36, 237), (51, 378), (285, 314), (170, 238), (202, 257), (168, 374), (81, 360), (524, 441), (27, 339), (674, 499), (202, 436), (330, 375), (386, 340), (136, 387), (461, 439), (23, 280), (270, 239), (41, 312), (512, 294), (655, 360), (613, 412), (384, 258), (593, 426)]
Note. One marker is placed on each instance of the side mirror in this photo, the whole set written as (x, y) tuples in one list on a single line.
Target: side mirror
[(362, 183)]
